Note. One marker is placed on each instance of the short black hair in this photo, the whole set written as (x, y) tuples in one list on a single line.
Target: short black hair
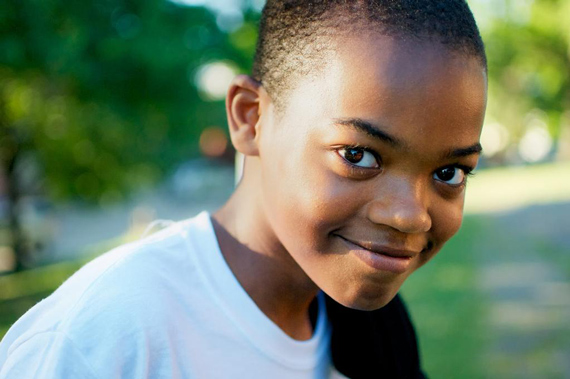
[(292, 33)]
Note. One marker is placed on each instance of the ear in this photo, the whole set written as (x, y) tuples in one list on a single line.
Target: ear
[(243, 110)]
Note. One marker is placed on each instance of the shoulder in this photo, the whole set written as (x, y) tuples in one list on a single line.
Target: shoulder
[(113, 302), (46, 354)]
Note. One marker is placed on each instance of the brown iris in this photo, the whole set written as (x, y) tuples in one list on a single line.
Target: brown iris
[(353, 155)]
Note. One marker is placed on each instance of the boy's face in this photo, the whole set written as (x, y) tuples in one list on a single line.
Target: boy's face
[(364, 168)]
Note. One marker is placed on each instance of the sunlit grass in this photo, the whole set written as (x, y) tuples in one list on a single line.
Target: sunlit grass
[(507, 188)]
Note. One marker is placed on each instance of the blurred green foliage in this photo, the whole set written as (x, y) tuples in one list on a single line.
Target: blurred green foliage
[(101, 94), (528, 46)]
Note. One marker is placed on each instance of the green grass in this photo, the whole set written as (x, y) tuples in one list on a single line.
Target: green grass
[(508, 188), (449, 311), (553, 252)]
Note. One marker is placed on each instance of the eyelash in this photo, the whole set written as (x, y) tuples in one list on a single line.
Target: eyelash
[(467, 170), (354, 167)]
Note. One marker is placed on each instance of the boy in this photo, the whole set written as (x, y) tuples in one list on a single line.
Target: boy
[(359, 126)]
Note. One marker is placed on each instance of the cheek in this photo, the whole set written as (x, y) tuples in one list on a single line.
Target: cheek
[(446, 221), (308, 200), (325, 199)]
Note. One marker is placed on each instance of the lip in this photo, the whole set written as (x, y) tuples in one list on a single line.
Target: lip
[(379, 257)]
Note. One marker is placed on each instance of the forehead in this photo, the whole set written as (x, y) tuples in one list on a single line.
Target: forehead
[(409, 87)]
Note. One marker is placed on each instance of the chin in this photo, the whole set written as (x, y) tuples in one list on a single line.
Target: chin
[(367, 300)]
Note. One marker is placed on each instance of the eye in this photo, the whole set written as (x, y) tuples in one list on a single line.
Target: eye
[(359, 156), (451, 175)]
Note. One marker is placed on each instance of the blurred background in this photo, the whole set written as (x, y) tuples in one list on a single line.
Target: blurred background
[(112, 115)]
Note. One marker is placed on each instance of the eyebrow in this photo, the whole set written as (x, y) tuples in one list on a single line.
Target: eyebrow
[(370, 129), (375, 132), (464, 151)]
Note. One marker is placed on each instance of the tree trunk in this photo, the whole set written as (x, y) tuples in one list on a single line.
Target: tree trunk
[(19, 241), (9, 152)]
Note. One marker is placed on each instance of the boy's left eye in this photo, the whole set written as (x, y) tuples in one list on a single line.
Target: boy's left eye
[(358, 156), (450, 175)]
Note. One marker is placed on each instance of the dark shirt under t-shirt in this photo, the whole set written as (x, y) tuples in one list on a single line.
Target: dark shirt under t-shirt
[(376, 344)]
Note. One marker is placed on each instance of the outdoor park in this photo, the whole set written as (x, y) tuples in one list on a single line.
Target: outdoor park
[(112, 115)]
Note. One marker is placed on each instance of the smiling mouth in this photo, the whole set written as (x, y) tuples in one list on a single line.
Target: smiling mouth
[(380, 249), (381, 257)]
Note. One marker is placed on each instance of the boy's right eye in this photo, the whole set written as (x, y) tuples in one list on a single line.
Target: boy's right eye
[(358, 156)]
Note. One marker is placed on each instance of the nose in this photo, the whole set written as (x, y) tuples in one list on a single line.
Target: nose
[(402, 205)]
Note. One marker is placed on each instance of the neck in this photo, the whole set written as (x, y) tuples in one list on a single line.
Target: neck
[(261, 264)]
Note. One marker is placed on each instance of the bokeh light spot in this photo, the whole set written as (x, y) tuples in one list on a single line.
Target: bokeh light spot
[(7, 259), (535, 144), (213, 141), (213, 79), (494, 139)]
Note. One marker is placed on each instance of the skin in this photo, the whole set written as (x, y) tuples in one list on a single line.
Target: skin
[(351, 170)]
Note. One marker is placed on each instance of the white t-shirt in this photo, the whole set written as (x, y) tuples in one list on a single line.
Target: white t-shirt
[(167, 306)]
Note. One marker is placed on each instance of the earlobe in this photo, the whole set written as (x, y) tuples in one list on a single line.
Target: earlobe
[(243, 111)]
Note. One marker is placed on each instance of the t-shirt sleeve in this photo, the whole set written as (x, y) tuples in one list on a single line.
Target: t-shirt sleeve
[(46, 355)]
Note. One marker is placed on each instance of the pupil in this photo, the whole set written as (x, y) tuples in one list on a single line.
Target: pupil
[(354, 155), (447, 173)]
